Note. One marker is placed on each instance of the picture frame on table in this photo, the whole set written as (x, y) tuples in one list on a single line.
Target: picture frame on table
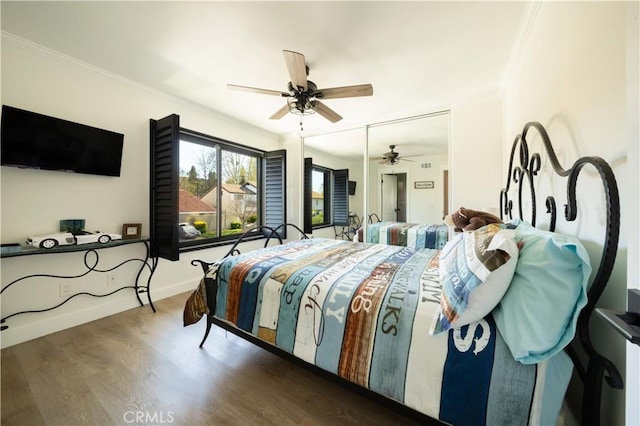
[(131, 231)]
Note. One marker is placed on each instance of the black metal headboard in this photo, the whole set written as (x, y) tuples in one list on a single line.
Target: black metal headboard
[(597, 365)]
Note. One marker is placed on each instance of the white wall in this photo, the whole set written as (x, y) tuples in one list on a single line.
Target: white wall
[(34, 201), (633, 137), (476, 154), (293, 144), (572, 78)]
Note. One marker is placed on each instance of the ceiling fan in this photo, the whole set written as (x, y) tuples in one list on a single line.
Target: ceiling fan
[(392, 157), (303, 96)]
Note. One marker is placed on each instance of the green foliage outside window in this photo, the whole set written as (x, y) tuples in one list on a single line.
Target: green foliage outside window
[(317, 219), (200, 226)]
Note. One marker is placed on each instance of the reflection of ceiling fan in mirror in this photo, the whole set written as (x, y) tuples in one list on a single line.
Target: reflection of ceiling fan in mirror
[(392, 157), (303, 95)]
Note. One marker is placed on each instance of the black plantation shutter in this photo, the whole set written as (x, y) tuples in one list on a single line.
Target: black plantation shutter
[(164, 135), (307, 197), (341, 197), (274, 190)]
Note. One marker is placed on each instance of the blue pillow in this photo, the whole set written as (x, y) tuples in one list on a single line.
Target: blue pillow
[(538, 314)]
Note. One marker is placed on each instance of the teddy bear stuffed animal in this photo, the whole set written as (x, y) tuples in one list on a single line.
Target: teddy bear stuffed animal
[(465, 219)]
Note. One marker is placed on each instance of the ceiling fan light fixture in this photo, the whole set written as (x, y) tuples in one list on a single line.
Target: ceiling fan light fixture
[(301, 106)]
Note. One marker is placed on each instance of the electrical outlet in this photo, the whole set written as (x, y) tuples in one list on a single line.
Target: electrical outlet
[(66, 289)]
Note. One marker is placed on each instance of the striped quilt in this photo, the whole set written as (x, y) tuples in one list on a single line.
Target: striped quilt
[(362, 311), (407, 234)]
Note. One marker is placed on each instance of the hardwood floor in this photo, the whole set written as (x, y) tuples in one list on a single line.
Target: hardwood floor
[(138, 367)]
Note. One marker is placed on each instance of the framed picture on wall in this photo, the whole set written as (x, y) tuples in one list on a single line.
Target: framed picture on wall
[(131, 231), (423, 184)]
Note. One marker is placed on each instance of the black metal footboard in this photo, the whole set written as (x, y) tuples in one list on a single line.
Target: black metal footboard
[(211, 280)]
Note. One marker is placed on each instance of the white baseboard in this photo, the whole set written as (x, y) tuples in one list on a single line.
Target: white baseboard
[(38, 326)]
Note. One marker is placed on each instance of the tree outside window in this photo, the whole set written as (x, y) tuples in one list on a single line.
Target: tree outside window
[(217, 208)]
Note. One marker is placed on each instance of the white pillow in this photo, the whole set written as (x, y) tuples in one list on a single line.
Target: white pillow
[(476, 269)]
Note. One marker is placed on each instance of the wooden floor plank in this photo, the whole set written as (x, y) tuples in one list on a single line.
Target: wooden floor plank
[(18, 403), (60, 391), (138, 367)]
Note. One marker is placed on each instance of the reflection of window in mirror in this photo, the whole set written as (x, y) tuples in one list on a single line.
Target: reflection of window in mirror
[(320, 197), (326, 200), (340, 150)]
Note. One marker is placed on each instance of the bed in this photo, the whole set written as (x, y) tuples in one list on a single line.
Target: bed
[(415, 327), (406, 234)]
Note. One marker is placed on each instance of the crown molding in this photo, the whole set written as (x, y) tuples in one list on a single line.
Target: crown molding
[(41, 50), (54, 55), (517, 50)]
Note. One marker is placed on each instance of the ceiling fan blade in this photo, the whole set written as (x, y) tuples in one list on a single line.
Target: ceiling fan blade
[(404, 159), (256, 90), (280, 113), (297, 68), (345, 91), (327, 112)]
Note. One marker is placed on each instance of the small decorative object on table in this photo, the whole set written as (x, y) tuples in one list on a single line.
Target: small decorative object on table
[(78, 236), (131, 231)]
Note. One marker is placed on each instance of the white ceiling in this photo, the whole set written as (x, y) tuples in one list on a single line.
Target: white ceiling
[(420, 57)]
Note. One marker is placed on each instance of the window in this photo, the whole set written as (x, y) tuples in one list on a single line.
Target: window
[(205, 190), (326, 200), (320, 199), (218, 198)]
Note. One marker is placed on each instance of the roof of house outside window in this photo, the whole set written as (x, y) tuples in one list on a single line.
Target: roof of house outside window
[(190, 203), (232, 188)]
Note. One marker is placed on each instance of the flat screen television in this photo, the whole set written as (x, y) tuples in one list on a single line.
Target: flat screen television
[(352, 187), (37, 141)]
